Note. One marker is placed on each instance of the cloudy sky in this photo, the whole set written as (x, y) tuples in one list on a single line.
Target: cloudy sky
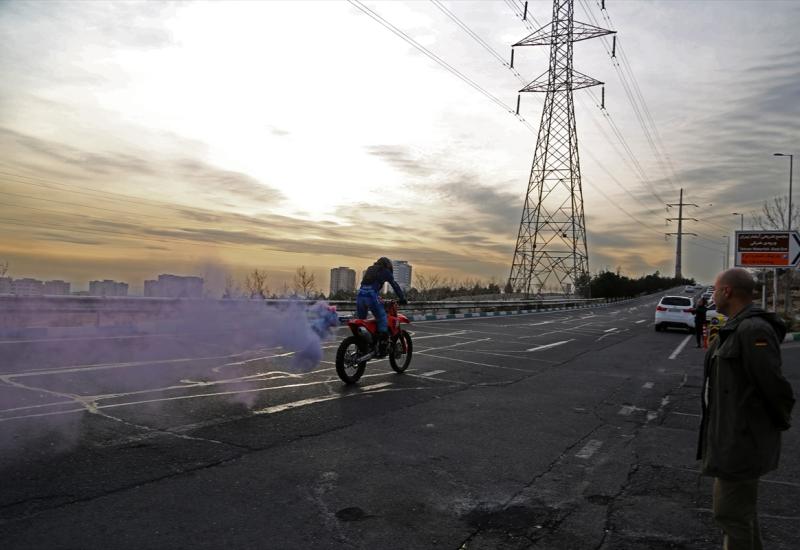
[(209, 138)]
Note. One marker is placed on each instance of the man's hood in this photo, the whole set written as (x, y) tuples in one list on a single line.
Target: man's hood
[(755, 311)]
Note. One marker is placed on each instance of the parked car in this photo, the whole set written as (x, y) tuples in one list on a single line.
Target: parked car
[(674, 311)]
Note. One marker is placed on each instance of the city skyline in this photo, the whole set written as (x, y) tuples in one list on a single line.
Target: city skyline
[(131, 143)]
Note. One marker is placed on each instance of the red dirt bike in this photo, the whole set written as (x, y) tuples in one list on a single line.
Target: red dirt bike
[(362, 345)]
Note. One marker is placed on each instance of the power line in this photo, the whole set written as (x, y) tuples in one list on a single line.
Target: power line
[(477, 39), (515, 9), (437, 59), (633, 91)]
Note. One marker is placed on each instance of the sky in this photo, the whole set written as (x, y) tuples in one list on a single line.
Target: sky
[(216, 138)]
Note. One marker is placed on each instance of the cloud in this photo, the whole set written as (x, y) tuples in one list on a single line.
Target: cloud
[(401, 158), (216, 181), (203, 179)]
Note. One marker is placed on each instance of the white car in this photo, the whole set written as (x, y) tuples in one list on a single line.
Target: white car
[(674, 311), (689, 289)]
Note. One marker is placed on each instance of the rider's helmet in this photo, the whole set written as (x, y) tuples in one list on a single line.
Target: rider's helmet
[(386, 263)]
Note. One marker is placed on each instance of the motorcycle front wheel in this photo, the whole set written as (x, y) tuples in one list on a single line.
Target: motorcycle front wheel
[(346, 367), (400, 352)]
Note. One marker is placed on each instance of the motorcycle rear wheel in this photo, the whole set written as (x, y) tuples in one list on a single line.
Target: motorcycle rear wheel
[(400, 358), (346, 367)]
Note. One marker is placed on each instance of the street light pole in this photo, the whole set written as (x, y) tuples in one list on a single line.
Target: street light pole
[(727, 251), (786, 305), (789, 216), (740, 216)]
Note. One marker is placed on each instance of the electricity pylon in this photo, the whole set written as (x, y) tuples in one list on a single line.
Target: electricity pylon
[(680, 204), (551, 251)]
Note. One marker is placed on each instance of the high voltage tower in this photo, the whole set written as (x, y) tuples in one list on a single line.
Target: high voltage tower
[(680, 204), (551, 251)]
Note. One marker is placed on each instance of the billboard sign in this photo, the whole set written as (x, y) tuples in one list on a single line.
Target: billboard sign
[(767, 249)]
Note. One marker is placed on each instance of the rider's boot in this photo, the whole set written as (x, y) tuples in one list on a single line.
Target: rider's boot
[(383, 343)]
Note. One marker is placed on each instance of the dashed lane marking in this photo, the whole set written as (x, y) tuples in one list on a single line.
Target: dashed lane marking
[(471, 362), (647, 385), (432, 373), (680, 347), (641, 321), (547, 346), (312, 400)]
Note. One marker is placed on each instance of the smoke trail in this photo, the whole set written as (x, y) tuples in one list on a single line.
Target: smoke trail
[(185, 347)]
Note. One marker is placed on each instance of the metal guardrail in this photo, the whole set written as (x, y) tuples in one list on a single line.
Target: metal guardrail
[(65, 311), (464, 306)]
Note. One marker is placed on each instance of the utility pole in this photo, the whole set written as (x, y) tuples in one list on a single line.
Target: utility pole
[(727, 251), (680, 204), (551, 242)]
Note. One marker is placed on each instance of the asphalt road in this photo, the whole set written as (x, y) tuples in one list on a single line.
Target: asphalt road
[(572, 429)]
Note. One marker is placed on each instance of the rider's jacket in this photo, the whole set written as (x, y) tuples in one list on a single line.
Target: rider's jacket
[(376, 276)]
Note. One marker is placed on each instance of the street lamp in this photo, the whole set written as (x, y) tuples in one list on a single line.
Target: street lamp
[(741, 216), (787, 305), (789, 217)]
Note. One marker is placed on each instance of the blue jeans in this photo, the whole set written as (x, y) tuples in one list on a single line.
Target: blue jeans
[(367, 299)]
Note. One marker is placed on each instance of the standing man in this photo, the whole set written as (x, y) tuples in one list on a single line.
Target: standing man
[(746, 403), (700, 320)]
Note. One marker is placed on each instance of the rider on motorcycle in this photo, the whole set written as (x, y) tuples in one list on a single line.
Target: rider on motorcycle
[(375, 277)]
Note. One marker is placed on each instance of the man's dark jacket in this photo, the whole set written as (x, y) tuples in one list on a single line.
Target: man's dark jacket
[(746, 400)]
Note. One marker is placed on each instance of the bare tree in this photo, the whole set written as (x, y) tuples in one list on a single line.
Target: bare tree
[(774, 215), (256, 284), (304, 284), (426, 283)]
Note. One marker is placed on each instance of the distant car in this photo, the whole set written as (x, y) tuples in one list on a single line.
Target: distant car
[(674, 311), (689, 289)]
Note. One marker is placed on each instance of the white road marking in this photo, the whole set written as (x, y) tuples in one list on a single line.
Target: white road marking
[(472, 362), (610, 334), (105, 366), (458, 333), (680, 347), (432, 373), (547, 346), (641, 321), (452, 345), (611, 329), (648, 385), (310, 401), (589, 449), (542, 323), (685, 414)]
